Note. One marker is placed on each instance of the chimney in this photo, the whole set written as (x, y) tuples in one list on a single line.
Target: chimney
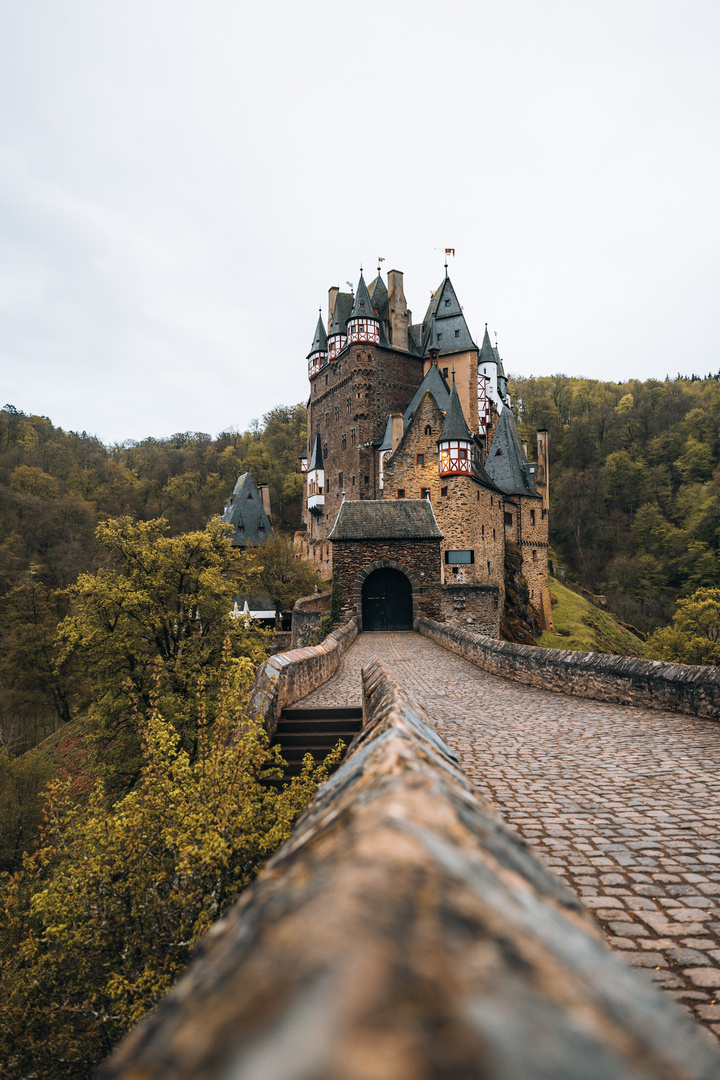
[(264, 491), (397, 310), (396, 429), (332, 297), (542, 477)]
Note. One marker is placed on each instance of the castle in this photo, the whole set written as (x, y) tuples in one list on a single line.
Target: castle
[(416, 477)]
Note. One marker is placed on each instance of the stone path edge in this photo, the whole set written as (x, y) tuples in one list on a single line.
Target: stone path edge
[(624, 680)]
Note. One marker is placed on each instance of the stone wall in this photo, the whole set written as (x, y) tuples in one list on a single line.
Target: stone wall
[(307, 614), (404, 933), (289, 676), (627, 680), (476, 606), (419, 560)]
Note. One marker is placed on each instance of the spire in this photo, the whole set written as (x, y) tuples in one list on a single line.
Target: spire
[(433, 340), (320, 340), (363, 306), (455, 426), (487, 353)]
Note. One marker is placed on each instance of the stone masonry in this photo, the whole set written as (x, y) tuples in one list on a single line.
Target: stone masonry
[(620, 802)]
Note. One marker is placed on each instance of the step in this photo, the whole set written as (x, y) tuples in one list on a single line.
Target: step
[(298, 752), (289, 727), (313, 738), (344, 713)]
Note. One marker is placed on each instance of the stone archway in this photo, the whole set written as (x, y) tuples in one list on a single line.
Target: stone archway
[(387, 600)]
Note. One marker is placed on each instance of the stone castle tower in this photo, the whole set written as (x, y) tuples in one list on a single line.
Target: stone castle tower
[(401, 412)]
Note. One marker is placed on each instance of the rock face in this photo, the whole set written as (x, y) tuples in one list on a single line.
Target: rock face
[(404, 933)]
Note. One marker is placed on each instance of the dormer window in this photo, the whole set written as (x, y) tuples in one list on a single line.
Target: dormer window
[(250, 496), (447, 303)]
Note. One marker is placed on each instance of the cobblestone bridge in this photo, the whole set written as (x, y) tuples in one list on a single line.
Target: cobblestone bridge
[(622, 803)]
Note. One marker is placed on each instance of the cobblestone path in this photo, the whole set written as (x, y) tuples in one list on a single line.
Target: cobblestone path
[(622, 803)]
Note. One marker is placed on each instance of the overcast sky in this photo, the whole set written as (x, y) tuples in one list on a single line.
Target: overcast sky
[(182, 180)]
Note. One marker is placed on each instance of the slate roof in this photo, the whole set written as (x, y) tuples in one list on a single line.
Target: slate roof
[(320, 340), (386, 519), (451, 332), (363, 306), (379, 295), (245, 509), (341, 313), (488, 355), (316, 457), (435, 383), (455, 426), (506, 464)]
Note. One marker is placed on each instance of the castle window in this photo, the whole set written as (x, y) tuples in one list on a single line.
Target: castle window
[(457, 333), (326, 380), (261, 528), (241, 528), (428, 429), (482, 530), (367, 479), (491, 501), (493, 534), (534, 555), (340, 481), (508, 519), (462, 454), (446, 372), (425, 493), (343, 442), (352, 436), (249, 495), (447, 303), (488, 569), (459, 558), (337, 412), (443, 492), (419, 459), (353, 481), (401, 493), (532, 517), (348, 403), (325, 450), (327, 487), (327, 418)]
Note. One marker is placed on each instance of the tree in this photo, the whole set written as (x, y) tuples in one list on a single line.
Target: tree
[(283, 575), (694, 636), (104, 914), (154, 621)]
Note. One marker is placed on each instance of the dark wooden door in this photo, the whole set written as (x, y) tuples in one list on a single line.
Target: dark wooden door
[(387, 601)]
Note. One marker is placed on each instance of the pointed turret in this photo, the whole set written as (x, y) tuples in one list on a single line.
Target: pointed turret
[(364, 323), (316, 478), (317, 356), (506, 463), (379, 296), (433, 347), (246, 513), (456, 439), (451, 333), (337, 333)]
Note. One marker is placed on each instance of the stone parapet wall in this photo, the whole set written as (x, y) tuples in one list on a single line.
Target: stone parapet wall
[(626, 680), (404, 932), (419, 560), (307, 614), (289, 676)]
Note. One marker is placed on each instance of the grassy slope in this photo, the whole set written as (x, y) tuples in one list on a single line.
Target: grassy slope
[(69, 755), (582, 626)]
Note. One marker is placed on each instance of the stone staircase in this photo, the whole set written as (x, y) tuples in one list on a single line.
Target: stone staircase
[(315, 731)]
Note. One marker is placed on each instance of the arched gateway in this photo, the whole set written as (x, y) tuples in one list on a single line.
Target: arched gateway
[(387, 600)]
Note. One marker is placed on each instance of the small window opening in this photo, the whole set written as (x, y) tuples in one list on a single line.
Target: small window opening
[(457, 333), (443, 492), (425, 493), (532, 517), (366, 479), (428, 429), (446, 372), (401, 493), (419, 459), (508, 519)]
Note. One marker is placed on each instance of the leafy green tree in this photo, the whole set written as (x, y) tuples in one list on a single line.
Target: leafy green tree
[(694, 636), (154, 621), (22, 784), (282, 574), (104, 914)]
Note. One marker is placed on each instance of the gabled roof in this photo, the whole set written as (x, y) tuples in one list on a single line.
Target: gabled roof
[(435, 383), (245, 513), (363, 306), (341, 313), (316, 458), (386, 519), (455, 426), (451, 331), (379, 296), (506, 463), (320, 340)]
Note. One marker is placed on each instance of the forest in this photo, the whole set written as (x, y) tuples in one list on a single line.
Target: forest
[(124, 753)]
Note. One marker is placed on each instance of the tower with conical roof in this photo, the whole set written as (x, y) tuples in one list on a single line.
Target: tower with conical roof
[(318, 355), (364, 321), (456, 440)]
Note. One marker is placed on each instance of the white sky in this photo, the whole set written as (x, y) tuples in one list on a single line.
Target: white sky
[(181, 181)]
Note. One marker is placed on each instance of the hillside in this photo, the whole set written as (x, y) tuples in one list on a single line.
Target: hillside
[(582, 626)]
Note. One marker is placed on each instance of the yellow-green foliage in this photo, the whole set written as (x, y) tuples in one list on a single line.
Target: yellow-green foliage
[(580, 625), (694, 636), (102, 917)]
